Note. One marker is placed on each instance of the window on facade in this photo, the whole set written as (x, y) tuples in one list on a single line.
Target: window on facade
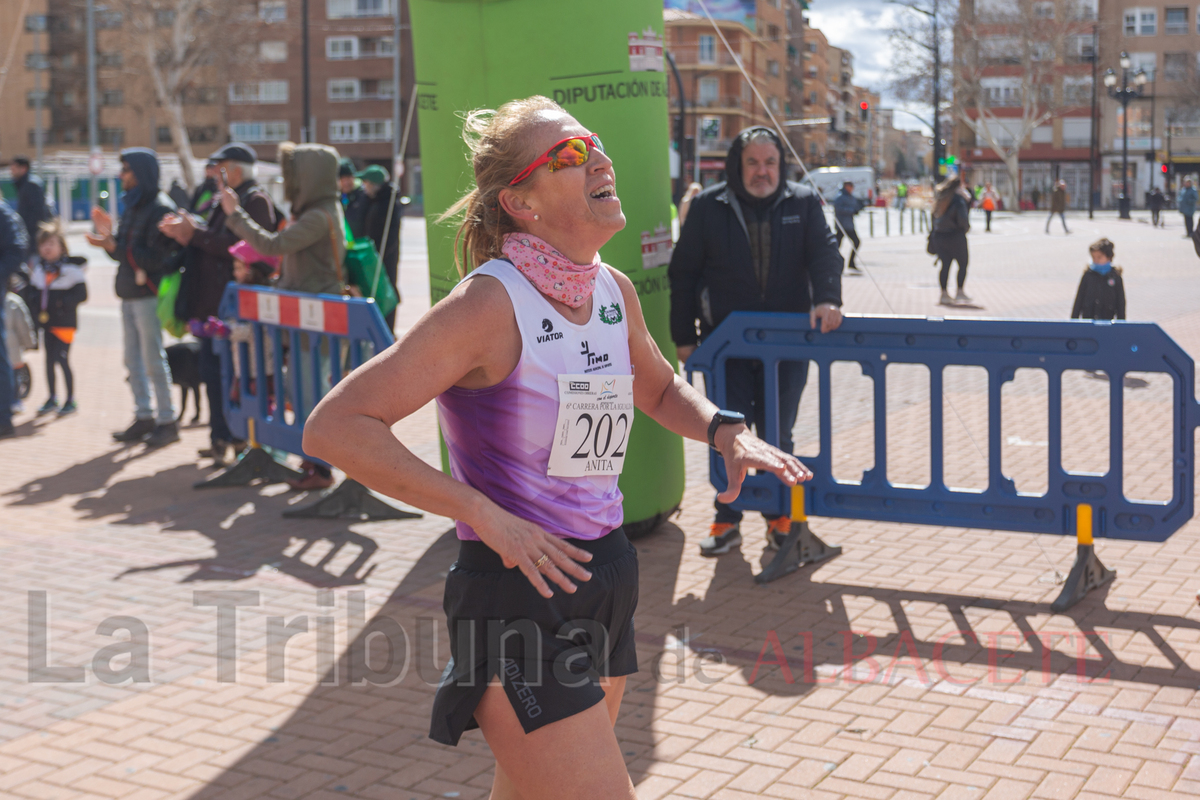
[(709, 91), (707, 53), (203, 133), (264, 92), (344, 9), (338, 48), (1081, 47), (1077, 91), (1076, 132), (110, 20), (164, 17), (1083, 9), (1175, 66), (112, 97), (1175, 20), (1183, 122), (380, 89), (1148, 62), (272, 52), (773, 104), (343, 130), (67, 60), (112, 58), (259, 131), (1044, 9), (773, 33), (163, 134), (773, 68), (375, 47), (812, 98), (37, 61), (342, 89), (1140, 22), (35, 23), (272, 10), (375, 130), (999, 92), (67, 100), (1001, 49), (33, 97), (1041, 51), (112, 136)]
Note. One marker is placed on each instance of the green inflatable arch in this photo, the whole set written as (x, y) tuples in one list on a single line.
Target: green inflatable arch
[(603, 62)]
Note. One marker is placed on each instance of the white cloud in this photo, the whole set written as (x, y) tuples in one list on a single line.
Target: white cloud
[(862, 27)]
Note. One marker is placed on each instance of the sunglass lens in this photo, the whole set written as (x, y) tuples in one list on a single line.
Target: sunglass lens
[(571, 153)]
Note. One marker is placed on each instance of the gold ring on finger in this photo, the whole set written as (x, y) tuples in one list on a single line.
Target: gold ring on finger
[(541, 562)]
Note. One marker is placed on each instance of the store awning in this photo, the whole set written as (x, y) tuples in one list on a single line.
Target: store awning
[(1178, 158)]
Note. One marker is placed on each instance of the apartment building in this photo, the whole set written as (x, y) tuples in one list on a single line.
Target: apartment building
[(18, 82), (719, 100), (1006, 48), (1162, 39)]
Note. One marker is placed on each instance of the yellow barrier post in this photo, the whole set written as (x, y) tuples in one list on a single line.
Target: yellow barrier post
[(801, 546), (1088, 572)]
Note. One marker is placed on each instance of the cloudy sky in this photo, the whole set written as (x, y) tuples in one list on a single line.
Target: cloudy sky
[(862, 26)]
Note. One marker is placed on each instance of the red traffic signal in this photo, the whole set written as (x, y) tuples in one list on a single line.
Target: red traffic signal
[(1164, 169), (864, 105)]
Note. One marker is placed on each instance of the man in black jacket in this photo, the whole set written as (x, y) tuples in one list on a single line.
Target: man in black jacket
[(143, 256), (14, 246), (31, 196), (754, 243), (208, 268), (355, 201), (383, 219)]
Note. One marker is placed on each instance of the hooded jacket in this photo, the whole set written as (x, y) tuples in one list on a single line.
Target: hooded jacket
[(209, 266), (313, 245), (139, 242), (1100, 296), (377, 217), (712, 269), (31, 203)]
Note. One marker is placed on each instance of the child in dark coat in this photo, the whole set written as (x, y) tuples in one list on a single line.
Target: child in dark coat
[(56, 288), (1101, 292)]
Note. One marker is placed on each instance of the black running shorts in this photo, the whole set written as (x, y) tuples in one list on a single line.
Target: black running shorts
[(549, 654)]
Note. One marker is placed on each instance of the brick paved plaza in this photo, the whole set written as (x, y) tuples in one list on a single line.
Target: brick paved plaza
[(923, 662)]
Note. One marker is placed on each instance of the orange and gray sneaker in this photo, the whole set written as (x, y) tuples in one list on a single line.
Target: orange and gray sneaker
[(722, 537), (777, 531)]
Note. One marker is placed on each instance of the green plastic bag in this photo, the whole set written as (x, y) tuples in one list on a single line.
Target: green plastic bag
[(168, 291), (364, 270)]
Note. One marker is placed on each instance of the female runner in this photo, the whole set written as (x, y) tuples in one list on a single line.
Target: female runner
[(532, 359)]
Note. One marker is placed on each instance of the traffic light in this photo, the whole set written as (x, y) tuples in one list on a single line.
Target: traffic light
[(1164, 169), (864, 108)]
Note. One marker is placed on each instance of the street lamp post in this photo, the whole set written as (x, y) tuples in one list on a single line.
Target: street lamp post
[(1125, 95)]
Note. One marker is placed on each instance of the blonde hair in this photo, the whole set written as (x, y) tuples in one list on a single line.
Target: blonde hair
[(52, 229), (500, 141)]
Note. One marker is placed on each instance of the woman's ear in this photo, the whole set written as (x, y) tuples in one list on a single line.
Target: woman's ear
[(515, 206)]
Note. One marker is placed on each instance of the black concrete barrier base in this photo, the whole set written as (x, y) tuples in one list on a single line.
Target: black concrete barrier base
[(350, 500), (253, 466), (801, 546), (1087, 574), (644, 527)]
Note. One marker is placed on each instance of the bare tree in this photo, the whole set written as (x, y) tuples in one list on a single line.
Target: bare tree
[(174, 41), (1009, 69), (913, 40)]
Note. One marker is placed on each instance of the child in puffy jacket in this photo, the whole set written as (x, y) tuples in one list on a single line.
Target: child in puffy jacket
[(56, 287), (1101, 292)]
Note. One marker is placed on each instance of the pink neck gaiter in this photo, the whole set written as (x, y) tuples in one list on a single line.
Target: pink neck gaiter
[(555, 275)]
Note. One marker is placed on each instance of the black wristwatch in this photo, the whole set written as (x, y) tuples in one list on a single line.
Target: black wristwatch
[(722, 417)]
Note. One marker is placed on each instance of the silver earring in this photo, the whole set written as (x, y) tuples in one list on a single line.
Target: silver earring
[(535, 216)]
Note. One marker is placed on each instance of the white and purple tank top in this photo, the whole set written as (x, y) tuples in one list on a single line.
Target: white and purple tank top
[(499, 438)]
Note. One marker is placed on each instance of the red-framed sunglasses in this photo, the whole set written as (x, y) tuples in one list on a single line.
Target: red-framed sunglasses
[(570, 152)]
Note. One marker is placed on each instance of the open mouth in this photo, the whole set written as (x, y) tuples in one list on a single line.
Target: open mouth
[(605, 192)]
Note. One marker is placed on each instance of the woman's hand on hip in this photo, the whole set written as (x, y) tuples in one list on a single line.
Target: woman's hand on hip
[(541, 556)]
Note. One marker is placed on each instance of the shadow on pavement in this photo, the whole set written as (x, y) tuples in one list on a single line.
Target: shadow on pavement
[(345, 737), (83, 478)]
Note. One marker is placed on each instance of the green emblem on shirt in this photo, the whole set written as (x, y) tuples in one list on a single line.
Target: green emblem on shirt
[(610, 315)]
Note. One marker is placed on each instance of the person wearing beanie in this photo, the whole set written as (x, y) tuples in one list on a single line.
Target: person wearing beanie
[(755, 242), (355, 201), (383, 225)]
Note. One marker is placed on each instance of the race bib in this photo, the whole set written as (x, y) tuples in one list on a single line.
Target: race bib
[(595, 414)]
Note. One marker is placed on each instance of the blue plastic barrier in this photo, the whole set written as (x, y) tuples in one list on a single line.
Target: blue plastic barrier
[(1000, 347), (317, 329)]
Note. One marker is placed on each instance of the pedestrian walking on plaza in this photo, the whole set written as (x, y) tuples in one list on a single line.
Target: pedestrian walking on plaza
[(541, 541), (754, 243), (143, 255), (901, 195), (1101, 293), (31, 197), (845, 206), (14, 245), (208, 269), (1034, 197), (990, 201), (57, 286), (948, 239), (1187, 205), (313, 247), (1156, 201), (1058, 205), (354, 199), (383, 220)]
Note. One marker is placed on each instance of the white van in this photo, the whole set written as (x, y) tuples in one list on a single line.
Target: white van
[(829, 181)]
